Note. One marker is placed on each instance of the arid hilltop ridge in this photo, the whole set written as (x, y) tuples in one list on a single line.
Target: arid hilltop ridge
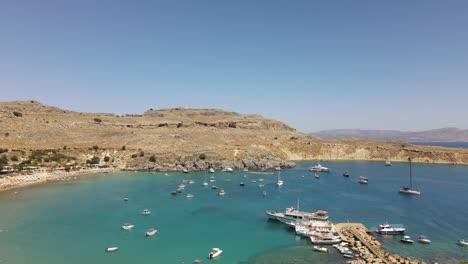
[(174, 139)]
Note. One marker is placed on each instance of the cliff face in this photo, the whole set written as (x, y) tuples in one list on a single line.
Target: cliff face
[(191, 138)]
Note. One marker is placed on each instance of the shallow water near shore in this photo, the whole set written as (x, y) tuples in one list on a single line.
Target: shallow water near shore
[(74, 221)]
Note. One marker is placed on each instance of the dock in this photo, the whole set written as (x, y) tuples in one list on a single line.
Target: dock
[(367, 249)]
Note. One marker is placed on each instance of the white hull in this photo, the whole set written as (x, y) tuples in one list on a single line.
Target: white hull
[(215, 253), (320, 249), (463, 243), (112, 249), (409, 191), (151, 232), (128, 227), (279, 183)]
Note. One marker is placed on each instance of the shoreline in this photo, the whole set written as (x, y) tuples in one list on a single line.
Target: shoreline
[(23, 180)]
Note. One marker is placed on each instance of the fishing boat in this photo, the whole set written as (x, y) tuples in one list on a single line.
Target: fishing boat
[(321, 249), (319, 168), (211, 170), (410, 190), (128, 226), (189, 196), (463, 242), (146, 212), (151, 232), (363, 180), (424, 240), (215, 252), (112, 249), (221, 192), (345, 174), (407, 240), (279, 182), (391, 229)]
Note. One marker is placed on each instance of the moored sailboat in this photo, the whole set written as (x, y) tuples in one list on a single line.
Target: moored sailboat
[(410, 190)]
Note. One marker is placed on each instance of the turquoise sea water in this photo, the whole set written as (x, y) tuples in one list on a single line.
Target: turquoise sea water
[(74, 221)]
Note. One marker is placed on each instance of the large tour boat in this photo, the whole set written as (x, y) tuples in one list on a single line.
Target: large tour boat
[(391, 229)]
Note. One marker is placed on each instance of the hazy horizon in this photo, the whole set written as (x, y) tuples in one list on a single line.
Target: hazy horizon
[(393, 65)]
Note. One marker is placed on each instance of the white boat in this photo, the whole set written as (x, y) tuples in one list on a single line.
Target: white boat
[(191, 182), (319, 168), (424, 240), (316, 175), (146, 212), (254, 181), (221, 192), (260, 179), (388, 163), (128, 226), (112, 249), (278, 168), (261, 185), (205, 184), (264, 193), (212, 180), (463, 242), (228, 169), (242, 184), (291, 215), (189, 196), (407, 239), (182, 186), (185, 171), (151, 232), (215, 252), (391, 229), (279, 182), (363, 180), (321, 249), (211, 170), (125, 198), (245, 169), (410, 190)]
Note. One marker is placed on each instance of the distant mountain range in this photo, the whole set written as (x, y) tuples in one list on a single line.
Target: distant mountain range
[(449, 134)]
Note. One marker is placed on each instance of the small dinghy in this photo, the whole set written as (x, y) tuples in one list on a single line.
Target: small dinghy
[(424, 240), (151, 232), (146, 212), (112, 249), (320, 249), (128, 226), (215, 252), (407, 240)]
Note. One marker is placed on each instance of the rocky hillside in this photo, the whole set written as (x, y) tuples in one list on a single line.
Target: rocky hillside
[(170, 139), (448, 134)]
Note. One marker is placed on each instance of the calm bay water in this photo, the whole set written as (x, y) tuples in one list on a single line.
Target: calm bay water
[(73, 222)]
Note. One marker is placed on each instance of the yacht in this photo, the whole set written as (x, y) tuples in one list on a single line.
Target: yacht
[(146, 212), (319, 168), (151, 232), (410, 190), (424, 240), (391, 229), (279, 182), (211, 170), (363, 180), (221, 192), (407, 239), (112, 249), (128, 226), (215, 252), (463, 242), (292, 214), (320, 249)]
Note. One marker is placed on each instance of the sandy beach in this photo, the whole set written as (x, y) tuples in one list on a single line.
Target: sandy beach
[(16, 181)]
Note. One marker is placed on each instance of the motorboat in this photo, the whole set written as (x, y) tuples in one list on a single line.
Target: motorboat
[(321, 249), (179, 190), (125, 198), (205, 184), (424, 240), (391, 229), (260, 179), (388, 163), (319, 168), (146, 212), (112, 249), (215, 252), (182, 186), (211, 170), (410, 190), (214, 187), (261, 185), (278, 168), (242, 184), (316, 175), (191, 182), (185, 171), (245, 169), (128, 226), (151, 232), (350, 256), (254, 181), (363, 180), (212, 180), (407, 240), (221, 192), (279, 182), (189, 196), (463, 242), (228, 169), (346, 174)]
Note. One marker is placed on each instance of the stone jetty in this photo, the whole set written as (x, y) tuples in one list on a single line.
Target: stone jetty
[(367, 249)]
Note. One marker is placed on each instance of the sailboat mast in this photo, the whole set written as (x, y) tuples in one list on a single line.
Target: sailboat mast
[(410, 174)]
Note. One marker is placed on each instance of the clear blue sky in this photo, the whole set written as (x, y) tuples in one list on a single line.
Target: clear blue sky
[(313, 64)]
